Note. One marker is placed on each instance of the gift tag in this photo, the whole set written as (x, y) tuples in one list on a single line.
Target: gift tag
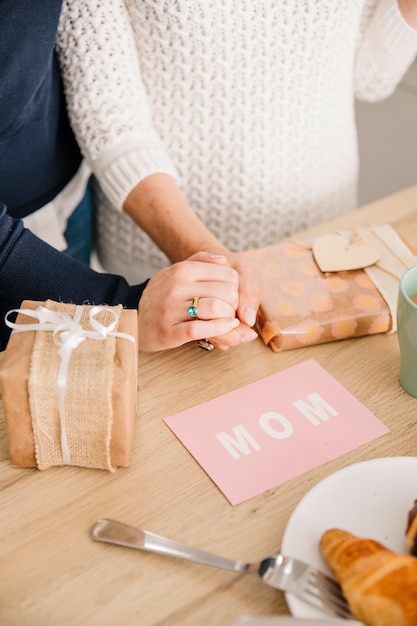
[(333, 253)]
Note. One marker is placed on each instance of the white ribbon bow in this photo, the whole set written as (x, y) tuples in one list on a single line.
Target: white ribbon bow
[(68, 334)]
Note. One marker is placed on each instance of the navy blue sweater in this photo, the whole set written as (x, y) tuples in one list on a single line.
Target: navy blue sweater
[(38, 152), (31, 269), (38, 157)]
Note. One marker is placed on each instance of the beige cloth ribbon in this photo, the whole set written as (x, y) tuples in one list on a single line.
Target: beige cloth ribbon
[(395, 258), (70, 383)]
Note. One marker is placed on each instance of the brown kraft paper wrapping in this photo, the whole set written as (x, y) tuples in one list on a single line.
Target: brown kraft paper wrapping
[(16, 379)]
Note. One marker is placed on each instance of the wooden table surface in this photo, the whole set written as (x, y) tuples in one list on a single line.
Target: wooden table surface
[(53, 574)]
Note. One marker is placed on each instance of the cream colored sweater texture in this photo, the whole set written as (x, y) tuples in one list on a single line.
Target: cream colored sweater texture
[(249, 104)]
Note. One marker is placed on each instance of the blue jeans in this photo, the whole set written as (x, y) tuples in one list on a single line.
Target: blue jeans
[(79, 231)]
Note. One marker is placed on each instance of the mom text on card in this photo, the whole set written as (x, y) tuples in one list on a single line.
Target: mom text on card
[(275, 425)]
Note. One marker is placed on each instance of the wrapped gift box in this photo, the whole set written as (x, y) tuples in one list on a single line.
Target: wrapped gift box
[(302, 305), (69, 385)]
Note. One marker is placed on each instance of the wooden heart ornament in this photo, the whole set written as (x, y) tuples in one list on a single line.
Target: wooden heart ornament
[(334, 253)]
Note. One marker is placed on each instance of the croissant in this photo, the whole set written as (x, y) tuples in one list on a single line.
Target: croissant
[(411, 530), (379, 585)]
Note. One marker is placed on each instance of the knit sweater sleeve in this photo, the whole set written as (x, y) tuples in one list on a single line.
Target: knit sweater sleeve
[(31, 269), (98, 59), (386, 49)]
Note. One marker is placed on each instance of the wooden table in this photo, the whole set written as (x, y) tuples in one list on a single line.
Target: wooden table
[(53, 574)]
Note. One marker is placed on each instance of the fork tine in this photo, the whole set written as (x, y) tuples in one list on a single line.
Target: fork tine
[(326, 604), (327, 593), (326, 580), (304, 581), (327, 585)]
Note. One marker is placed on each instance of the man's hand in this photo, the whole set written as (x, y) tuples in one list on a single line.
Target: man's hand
[(163, 318)]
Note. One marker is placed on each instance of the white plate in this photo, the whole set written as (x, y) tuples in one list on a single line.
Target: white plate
[(369, 499)]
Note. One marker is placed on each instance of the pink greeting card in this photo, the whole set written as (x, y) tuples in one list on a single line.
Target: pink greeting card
[(257, 437)]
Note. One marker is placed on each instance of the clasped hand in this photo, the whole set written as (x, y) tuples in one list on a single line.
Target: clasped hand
[(164, 320)]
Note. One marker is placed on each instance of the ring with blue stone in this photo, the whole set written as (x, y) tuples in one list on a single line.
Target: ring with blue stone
[(192, 310)]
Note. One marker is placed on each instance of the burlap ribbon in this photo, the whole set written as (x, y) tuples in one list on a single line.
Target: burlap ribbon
[(70, 383)]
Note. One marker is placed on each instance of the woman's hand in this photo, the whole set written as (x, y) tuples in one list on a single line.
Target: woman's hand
[(159, 207), (248, 302), (163, 319)]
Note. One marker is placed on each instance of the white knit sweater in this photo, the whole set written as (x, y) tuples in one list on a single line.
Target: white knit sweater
[(249, 104)]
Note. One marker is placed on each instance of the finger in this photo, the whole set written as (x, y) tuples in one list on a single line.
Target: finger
[(200, 329), (211, 308), (207, 257), (187, 272), (240, 334), (214, 300), (248, 295)]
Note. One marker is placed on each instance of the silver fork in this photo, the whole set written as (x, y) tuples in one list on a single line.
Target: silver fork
[(283, 573)]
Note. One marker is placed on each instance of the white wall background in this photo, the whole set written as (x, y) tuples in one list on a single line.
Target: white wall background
[(388, 141)]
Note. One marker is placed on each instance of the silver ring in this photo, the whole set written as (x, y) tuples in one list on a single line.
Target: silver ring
[(206, 345)]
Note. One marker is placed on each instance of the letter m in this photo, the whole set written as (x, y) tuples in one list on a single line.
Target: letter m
[(241, 443), (318, 408)]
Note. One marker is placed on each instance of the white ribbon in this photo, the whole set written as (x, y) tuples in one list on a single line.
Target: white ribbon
[(68, 334)]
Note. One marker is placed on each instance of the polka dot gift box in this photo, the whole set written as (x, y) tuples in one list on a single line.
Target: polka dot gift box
[(303, 303)]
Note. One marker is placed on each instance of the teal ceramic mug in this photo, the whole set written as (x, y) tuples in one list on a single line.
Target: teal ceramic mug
[(407, 330)]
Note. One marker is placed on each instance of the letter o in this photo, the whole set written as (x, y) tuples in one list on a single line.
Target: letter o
[(265, 423)]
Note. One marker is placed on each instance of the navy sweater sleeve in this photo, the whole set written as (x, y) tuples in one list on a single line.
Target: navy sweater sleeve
[(31, 269), (38, 154)]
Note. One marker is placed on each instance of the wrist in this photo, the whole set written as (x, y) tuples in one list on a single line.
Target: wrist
[(408, 9), (159, 207)]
